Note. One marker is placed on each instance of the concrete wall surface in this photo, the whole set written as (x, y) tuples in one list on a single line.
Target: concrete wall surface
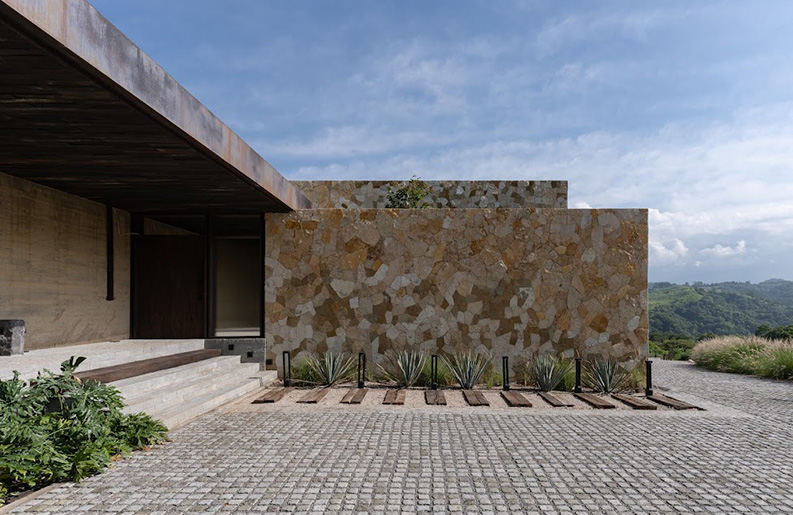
[(460, 194), (513, 282), (53, 273)]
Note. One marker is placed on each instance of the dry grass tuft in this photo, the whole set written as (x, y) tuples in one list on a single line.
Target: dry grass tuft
[(746, 355)]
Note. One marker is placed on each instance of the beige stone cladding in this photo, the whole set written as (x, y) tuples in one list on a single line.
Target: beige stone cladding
[(512, 282), (442, 194), (53, 268)]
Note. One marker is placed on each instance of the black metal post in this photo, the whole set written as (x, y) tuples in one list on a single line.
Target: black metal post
[(361, 369), (287, 360), (137, 230), (109, 251), (210, 271), (577, 388), (648, 391), (434, 369), (505, 372), (261, 274)]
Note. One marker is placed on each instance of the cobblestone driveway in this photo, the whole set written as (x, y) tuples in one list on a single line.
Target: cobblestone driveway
[(736, 457)]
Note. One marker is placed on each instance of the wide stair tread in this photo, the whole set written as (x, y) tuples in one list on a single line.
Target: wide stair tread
[(145, 366), (182, 388), (140, 385), (202, 403)]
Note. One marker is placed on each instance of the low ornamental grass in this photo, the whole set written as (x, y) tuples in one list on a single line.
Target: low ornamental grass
[(746, 355), (58, 428)]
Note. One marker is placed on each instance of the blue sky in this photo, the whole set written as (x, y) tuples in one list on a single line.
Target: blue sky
[(682, 107)]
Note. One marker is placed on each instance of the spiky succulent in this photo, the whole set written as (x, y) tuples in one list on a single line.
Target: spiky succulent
[(467, 367), (603, 375), (404, 368), (331, 367), (548, 371)]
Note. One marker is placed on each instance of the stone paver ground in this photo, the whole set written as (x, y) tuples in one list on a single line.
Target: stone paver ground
[(735, 457)]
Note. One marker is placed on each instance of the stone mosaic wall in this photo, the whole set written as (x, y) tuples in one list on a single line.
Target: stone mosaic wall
[(460, 194), (506, 281)]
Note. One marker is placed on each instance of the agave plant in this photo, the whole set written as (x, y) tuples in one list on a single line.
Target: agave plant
[(467, 367), (604, 375), (548, 371), (331, 367), (404, 368)]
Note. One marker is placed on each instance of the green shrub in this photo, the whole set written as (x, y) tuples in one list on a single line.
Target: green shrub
[(467, 367), (331, 367), (58, 428), (548, 372), (409, 196), (678, 349), (302, 372), (403, 368), (493, 378), (605, 376), (444, 376)]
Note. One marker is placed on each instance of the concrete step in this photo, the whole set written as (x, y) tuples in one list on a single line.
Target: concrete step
[(140, 385), (182, 388), (204, 402), (98, 355)]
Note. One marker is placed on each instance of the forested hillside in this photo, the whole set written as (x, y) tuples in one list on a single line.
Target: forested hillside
[(720, 308)]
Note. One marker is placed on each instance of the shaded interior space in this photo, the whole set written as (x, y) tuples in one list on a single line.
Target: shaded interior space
[(198, 276)]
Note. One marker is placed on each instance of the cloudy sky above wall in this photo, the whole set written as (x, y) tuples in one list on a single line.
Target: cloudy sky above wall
[(682, 107)]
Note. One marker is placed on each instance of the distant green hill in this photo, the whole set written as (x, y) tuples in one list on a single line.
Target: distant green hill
[(720, 308)]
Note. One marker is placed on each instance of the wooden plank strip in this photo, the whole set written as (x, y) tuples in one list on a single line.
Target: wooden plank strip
[(515, 399), (354, 396), (146, 366), (475, 398), (671, 402), (554, 400), (396, 397), (634, 402), (274, 395), (314, 396), (400, 397), (435, 398), (594, 401)]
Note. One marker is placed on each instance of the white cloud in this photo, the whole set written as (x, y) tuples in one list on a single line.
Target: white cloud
[(671, 254), (722, 251)]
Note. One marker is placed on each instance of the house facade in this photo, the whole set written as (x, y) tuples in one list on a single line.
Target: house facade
[(129, 211)]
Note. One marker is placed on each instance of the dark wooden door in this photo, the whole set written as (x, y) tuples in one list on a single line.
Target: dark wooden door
[(169, 287)]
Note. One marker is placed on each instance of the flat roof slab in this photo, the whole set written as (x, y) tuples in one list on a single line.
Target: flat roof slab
[(86, 111)]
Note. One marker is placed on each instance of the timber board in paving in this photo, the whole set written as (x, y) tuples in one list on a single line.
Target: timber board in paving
[(293, 458)]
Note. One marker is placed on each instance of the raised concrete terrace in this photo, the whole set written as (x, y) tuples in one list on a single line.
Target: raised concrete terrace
[(85, 111)]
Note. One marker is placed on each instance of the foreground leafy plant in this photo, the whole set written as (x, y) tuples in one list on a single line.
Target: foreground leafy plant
[(467, 367), (404, 368), (548, 372), (331, 367), (58, 428), (603, 375)]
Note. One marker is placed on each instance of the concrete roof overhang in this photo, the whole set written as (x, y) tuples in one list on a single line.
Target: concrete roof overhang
[(85, 111)]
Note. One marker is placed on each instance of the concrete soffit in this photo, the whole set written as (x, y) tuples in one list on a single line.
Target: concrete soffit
[(80, 34)]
